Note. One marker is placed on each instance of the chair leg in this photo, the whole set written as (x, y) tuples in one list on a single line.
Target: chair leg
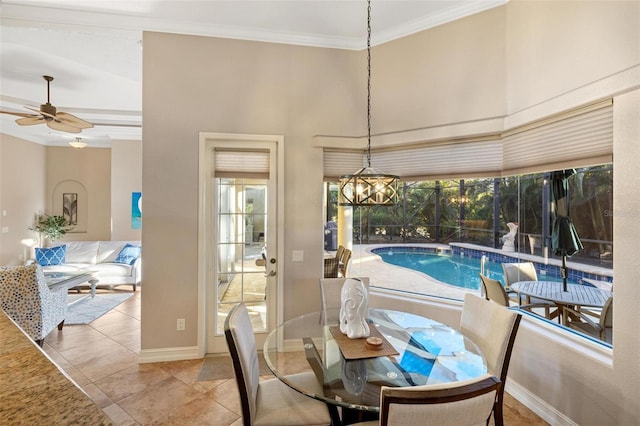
[(61, 325), (40, 342), (497, 412)]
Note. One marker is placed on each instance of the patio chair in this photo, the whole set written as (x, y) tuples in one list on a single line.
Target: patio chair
[(268, 402), (526, 271), (493, 328), (466, 402), (27, 299), (583, 322), (344, 262), (494, 291)]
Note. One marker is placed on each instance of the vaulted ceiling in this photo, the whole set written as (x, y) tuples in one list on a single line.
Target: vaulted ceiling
[(93, 48)]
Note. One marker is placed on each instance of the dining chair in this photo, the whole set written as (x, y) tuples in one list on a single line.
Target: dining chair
[(268, 402), (526, 271), (27, 299), (493, 328), (583, 322), (465, 403), (330, 298), (340, 252)]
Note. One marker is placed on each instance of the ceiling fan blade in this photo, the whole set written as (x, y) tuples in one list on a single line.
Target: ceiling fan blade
[(30, 121), (65, 117), (63, 127), (19, 114)]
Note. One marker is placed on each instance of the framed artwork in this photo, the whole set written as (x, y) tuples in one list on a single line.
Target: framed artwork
[(70, 207), (136, 210)]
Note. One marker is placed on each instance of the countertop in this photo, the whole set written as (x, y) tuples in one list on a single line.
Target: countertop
[(33, 390)]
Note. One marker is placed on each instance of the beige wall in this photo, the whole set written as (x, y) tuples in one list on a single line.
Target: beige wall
[(88, 170), (126, 177), (520, 59), (22, 194), (108, 176)]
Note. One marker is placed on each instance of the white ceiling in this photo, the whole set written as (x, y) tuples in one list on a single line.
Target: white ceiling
[(93, 49)]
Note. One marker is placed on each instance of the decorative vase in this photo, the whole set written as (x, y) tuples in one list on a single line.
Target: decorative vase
[(353, 309)]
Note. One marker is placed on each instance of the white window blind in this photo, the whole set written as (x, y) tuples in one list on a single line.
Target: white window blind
[(580, 140), (241, 163)]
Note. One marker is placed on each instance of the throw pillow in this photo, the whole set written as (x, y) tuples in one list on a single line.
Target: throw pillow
[(51, 256), (129, 254)]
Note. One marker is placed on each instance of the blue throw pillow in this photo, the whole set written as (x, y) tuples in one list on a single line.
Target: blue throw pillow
[(129, 254), (51, 256)]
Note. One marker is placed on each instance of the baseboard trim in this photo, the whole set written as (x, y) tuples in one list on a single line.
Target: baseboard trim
[(548, 413), (168, 354)]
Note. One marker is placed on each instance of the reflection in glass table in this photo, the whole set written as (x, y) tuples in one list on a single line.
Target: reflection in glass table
[(428, 352)]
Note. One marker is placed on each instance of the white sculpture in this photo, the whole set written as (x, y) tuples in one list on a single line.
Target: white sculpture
[(353, 309), (509, 239)]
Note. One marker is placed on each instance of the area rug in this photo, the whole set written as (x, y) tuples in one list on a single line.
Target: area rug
[(88, 309), (221, 367)]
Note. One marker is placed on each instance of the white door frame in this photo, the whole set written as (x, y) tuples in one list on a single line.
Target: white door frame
[(206, 172)]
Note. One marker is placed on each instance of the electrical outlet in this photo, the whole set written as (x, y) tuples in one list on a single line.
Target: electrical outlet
[(180, 324)]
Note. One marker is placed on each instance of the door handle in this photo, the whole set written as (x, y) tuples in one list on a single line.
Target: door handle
[(271, 274)]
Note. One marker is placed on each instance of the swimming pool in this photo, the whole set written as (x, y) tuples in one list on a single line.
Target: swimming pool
[(453, 269)]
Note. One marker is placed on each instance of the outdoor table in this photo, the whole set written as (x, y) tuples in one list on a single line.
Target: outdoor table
[(576, 295)]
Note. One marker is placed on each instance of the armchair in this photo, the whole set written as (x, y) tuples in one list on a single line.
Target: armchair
[(27, 299)]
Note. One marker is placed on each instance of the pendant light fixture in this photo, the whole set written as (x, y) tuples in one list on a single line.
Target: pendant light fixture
[(78, 143), (368, 186)]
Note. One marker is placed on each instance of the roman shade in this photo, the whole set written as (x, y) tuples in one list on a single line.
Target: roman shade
[(241, 163)]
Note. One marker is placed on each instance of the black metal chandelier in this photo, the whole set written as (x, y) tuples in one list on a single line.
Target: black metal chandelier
[(368, 186)]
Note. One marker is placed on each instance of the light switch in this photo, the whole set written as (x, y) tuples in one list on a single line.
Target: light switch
[(5, 229), (297, 256)]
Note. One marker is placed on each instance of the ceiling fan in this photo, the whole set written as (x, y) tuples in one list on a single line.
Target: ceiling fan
[(48, 114)]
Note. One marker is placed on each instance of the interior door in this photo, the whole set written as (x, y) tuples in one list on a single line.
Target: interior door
[(242, 237)]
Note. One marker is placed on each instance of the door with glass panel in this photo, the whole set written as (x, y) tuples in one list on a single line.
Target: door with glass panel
[(243, 266)]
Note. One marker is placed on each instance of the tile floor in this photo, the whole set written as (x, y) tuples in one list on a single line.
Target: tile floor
[(102, 358)]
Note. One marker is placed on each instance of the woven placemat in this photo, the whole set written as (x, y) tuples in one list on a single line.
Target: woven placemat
[(356, 348)]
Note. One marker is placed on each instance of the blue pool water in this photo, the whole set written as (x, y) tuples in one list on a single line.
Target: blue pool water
[(449, 268)]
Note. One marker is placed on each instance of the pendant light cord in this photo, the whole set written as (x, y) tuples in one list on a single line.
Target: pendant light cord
[(369, 83)]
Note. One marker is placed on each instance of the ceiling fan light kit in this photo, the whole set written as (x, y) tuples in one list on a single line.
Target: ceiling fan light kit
[(78, 143), (49, 115)]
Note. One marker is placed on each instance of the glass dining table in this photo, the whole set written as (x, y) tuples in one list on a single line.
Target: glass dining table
[(417, 351)]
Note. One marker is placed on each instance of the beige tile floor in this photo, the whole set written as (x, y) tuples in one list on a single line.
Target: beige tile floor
[(102, 358)]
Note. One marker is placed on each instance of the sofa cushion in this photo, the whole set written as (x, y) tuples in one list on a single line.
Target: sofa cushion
[(51, 256), (129, 254), (81, 252), (109, 250)]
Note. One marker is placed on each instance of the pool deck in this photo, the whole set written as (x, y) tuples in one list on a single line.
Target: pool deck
[(382, 274)]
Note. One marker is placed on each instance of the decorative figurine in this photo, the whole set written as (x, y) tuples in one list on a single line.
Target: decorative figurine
[(353, 309)]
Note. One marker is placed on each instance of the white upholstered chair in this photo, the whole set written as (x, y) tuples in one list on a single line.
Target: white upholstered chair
[(268, 402), (27, 299), (330, 290), (493, 328), (465, 403)]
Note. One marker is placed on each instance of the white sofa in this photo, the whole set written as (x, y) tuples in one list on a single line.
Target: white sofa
[(100, 257)]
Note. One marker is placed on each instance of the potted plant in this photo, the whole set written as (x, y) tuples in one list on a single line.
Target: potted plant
[(51, 227)]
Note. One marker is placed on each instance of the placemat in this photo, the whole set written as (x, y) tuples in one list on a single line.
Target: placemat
[(356, 348)]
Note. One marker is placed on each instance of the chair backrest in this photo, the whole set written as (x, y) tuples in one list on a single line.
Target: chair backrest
[(238, 332), (330, 290), (449, 404), (493, 290), (331, 265), (23, 291), (346, 258), (493, 328), (340, 252), (522, 271), (606, 315)]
